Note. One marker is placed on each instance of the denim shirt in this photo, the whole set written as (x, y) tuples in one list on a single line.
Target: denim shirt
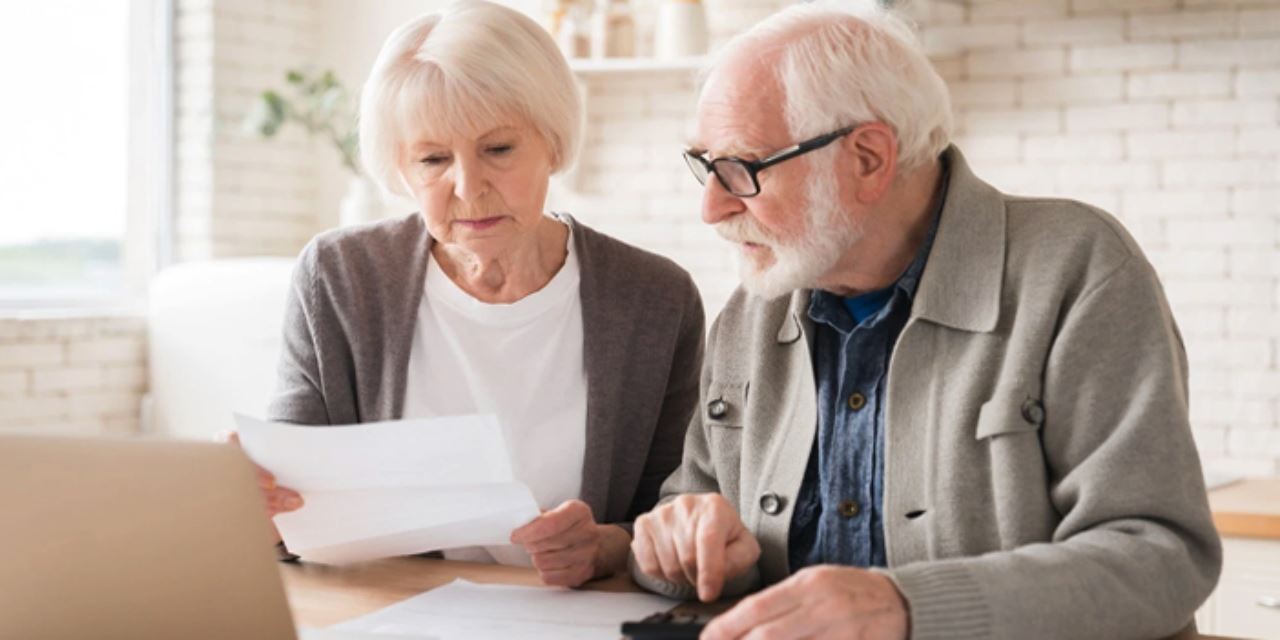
[(838, 514)]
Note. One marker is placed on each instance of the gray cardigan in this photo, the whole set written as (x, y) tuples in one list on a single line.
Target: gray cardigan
[(1040, 476), (349, 325)]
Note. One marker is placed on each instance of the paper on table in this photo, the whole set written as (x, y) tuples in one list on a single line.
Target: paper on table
[(391, 488), (465, 610)]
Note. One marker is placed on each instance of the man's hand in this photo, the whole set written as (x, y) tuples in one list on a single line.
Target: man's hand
[(819, 602), (568, 548), (697, 540)]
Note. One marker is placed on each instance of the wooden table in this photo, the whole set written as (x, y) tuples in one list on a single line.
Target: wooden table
[(1248, 508), (321, 596)]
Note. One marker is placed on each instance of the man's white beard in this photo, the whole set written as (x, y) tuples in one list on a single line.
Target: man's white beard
[(797, 264)]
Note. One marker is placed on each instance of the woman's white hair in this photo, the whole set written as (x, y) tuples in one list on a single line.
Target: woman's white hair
[(470, 67), (847, 62)]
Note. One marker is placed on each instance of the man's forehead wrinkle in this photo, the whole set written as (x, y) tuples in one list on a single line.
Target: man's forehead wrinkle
[(739, 111)]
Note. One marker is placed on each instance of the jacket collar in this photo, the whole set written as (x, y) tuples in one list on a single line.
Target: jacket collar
[(961, 284)]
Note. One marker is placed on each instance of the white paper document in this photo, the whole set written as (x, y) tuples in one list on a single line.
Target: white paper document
[(464, 610), (391, 488)]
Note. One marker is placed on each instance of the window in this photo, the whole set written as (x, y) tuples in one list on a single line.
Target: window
[(82, 122)]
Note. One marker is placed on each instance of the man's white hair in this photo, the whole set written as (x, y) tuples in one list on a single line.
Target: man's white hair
[(847, 62), (472, 66)]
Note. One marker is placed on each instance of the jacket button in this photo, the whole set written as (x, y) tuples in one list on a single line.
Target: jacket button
[(850, 508), (857, 401), (771, 504), (717, 409), (1033, 411)]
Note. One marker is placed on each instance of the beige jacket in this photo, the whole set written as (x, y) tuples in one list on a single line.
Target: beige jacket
[(1040, 476)]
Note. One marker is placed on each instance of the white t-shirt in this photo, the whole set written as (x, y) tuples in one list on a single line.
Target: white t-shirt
[(522, 362)]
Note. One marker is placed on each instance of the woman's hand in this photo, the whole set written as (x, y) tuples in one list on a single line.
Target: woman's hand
[(568, 547), (276, 498)]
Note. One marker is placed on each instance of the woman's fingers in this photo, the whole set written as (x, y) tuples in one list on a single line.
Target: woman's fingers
[(283, 500)]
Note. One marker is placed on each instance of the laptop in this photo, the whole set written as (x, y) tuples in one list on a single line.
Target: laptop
[(110, 538)]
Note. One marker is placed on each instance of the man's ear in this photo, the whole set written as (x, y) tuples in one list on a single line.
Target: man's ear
[(872, 155)]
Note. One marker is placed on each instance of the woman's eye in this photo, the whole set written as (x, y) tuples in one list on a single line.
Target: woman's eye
[(500, 149), (432, 161)]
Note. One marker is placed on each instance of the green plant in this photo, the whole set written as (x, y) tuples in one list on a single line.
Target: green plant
[(320, 104)]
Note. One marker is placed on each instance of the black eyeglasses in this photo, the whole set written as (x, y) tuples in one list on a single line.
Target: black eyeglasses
[(738, 176)]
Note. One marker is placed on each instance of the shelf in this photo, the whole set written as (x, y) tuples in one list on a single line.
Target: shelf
[(598, 66)]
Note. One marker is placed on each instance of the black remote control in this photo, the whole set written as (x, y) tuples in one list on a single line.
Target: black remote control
[(667, 626)]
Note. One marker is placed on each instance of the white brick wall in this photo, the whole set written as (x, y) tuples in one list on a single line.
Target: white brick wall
[(72, 374), (237, 195)]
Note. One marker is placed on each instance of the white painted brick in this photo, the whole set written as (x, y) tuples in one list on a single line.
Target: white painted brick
[(121, 425), (1254, 442), (1259, 21), (68, 379), (1198, 113), (108, 402), (1236, 412), (1212, 54), (1121, 117), (14, 383), (1253, 323), (1116, 6), (1073, 90), (1202, 323), (1191, 262), (1179, 84), (1011, 120), (948, 39), (106, 350), (22, 355), (1177, 203), (1232, 232), (1163, 145), (1122, 57), (1219, 173), (1090, 146), (1207, 380), (1258, 82), (1182, 24), (1232, 353), (1188, 292), (1101, 175), (1073, 30), (1242, 466), (1247, 201), (27, 410), (991, 93), (990, 147), (1018, 63), (131, 377), (981, 10)]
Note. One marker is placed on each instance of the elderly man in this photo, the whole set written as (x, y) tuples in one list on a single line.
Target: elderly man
[(935, 410)]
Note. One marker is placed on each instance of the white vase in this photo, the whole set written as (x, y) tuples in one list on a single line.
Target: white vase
[(361, 204), (681, 30)]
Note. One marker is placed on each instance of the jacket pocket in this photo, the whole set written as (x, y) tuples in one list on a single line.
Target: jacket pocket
[(1009, 413)]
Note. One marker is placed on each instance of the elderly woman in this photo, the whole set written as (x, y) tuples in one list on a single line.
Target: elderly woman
[(587, 349)]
